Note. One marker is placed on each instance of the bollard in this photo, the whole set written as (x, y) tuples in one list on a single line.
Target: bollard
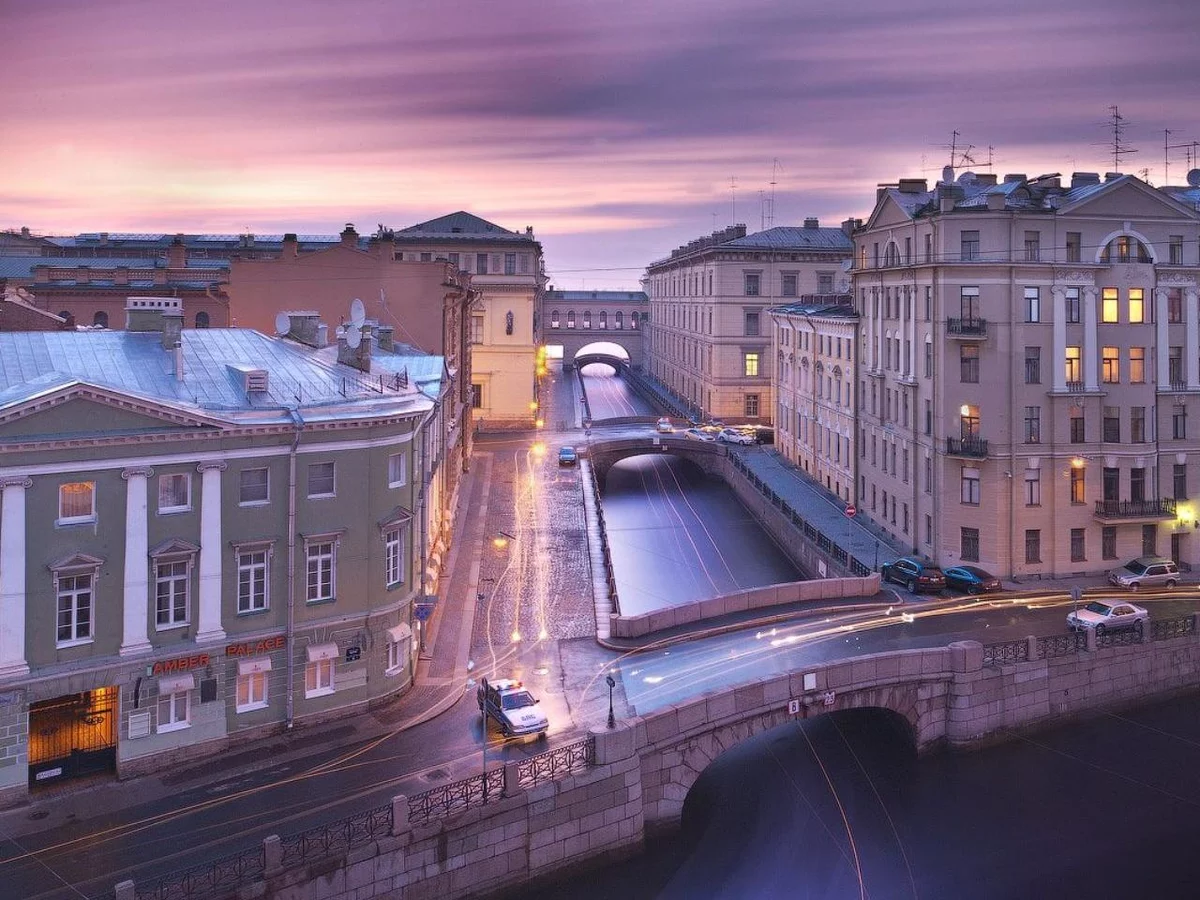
[(272, 855), (512, 779), (399, 815), (125, 891)]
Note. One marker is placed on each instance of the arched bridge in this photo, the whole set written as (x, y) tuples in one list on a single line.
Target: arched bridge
[(609, 359), (605, 453)]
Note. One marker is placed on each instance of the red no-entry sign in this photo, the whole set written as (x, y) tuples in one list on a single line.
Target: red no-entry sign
[(850, 510)]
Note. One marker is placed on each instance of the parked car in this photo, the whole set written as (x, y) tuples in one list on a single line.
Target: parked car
[(971, 579), (664, 426), (567, 456), (1105, 616), (698, 434), (733, 436), (1146, 571), (513, 708), (913, 574)]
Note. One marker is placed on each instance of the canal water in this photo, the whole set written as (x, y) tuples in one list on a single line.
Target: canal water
[(840, 807)]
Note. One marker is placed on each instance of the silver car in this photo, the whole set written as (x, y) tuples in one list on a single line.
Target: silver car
[(1146, 571), (1107, 616)]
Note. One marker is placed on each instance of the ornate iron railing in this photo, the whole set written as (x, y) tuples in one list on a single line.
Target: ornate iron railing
[(1160, 506), (456, 796), (1121, 638), (215, 879), (1061, 644), (974, 447), (556, 762), (337, 837), (967, 327), (1007, 652), (1165, 629)]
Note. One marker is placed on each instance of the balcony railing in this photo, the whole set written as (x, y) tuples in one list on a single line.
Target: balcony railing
[(976, 328), (1136, 509), (1075, 387), (975, 447)]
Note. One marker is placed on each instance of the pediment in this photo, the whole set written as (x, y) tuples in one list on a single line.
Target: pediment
[(174, 547), (1129, 199), (888, 212), (79, 409), (75, 561)]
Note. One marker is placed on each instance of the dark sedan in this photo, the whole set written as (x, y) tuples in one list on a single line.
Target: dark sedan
[(917, 576), (972, 580)]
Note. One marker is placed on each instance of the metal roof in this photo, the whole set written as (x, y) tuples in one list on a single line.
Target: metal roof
[(610, 296), (788, 237)]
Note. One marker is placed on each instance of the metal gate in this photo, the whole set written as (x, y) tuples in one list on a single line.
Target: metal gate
[(73, 735)]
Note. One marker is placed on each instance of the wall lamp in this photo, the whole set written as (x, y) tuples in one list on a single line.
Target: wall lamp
[(500, 541)]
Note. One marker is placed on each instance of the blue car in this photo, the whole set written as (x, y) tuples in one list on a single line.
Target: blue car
[(567, 456), (971, 579)]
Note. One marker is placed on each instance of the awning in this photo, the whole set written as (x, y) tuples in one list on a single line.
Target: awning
[(401, 632), (174, 684), (254, 665), (320, 652)]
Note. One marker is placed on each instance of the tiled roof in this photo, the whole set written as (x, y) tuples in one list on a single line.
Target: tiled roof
[(787, 237)]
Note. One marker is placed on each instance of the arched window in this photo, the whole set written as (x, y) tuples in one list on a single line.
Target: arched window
[(508, 322), (64, 315), (202, 320), (891, 254), (1125, 249), (100, 319), (603, 321), (571, 318), (587, 319), (633, 320), (618, 321), (554, 319)]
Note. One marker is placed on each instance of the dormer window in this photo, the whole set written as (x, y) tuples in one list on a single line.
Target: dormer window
[(1125, 249)]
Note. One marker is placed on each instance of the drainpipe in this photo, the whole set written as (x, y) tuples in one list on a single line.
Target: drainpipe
[(423, 512), (298, 422)]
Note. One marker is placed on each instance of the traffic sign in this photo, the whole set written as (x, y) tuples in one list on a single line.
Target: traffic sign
[(422, 611), (850, 510)]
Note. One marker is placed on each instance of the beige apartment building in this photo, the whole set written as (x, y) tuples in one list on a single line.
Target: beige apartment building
[(814, 346), (708, 341), (1030, 370)]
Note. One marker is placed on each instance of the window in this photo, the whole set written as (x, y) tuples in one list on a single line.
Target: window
[(1033, 545), (752, 280), (968, 360), (252, 580), (751, 324), (824, 283), (968, 303), (1033, 487), (587, 319), (1137, 365), (255, 486), (481, 261), (1110, 306), (476, 329), (1174, 305), (970, 245), (171, 593), (1071, 297), (603, 321), (1110, 483), (1137, 484), (476, 397), (1078, 549), (174, 709), (393, 556), (321, 480), (969, 544), (968, 421), (398, 637), (928, 417), (788, 284), (1073, 363), (1110, 365), (453, 258), (1074, 246), (1137, 424), (1175, 250), (1077, 484), (1108, 542), (1033, 365), (1033, 304), (1179, 481), (1111, 425), (76, 603), (750, 365), (1125, 249), (1137, 306), (570, 318), (510, 264), (1149, 540), (174, 492), (318, 677), (969, 486), (928, 302), (1175, 366), (320, 558), (202, 319), (928, 359), (1033, 424), (76, 502), (554, 318), (100, 319), (251, 689), (398, 468), (751, 406), (1033, 246), (619, 321)]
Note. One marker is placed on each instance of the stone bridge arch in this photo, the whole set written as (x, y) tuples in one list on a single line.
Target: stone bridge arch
[(712, 457), (609, 359)]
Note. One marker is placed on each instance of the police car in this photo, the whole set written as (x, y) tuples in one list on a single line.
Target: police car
[(515, 710)]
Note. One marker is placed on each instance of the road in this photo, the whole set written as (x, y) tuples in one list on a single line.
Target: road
[(609, 395)]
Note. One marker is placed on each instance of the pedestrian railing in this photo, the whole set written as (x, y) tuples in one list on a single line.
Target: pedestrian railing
[(446, 799), (1007, 652), (219, 878), (1165, 629), (1061, 644)]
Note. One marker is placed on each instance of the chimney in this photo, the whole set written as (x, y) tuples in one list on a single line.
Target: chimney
[(24, 231), (1080, 179), (172, 328), (988, 178), (849, 225), (1111, 176), (384, 334), (1016, 176), (349, 236), (177, 351), (913, 186), (121, 275), (104, 237), (356, 357), (177, 254), (305, 327), (83, 275), (995, 201), (812, 222), (146, 314), (291, 247), (529, 230)]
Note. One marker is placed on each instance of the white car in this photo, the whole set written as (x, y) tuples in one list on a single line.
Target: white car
[(1105, 616), (697, 435), (664, 426), (733, 436), (515, 710)]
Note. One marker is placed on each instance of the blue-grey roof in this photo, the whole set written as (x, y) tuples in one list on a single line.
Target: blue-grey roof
[(460, 226), (607, 296), (838, 310), (135, 363), (787, 237)]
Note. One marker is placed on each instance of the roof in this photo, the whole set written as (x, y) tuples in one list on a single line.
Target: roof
[(608, 296), (828, 310), (460, 226), (135, 363), (787, 237)]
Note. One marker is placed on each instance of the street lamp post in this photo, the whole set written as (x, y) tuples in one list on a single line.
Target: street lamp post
[(612, 720), (483, 713)]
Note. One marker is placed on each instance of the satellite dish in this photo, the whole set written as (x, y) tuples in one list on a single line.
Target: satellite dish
[(358, 313), (353, 338), (283, 324), (1193, 178)]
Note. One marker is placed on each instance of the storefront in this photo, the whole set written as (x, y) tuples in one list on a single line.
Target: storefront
[(73, 735)]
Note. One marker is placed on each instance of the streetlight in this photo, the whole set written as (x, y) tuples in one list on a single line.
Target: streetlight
[(612, 720), (483, 713), (500, 541)]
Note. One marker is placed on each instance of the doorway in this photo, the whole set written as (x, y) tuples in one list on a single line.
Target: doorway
[(73, 735)]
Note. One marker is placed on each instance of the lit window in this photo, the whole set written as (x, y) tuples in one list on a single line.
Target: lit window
[(1110, 362), (1137, 305), (1137, 365), (174, 492), (318, 678), (398, 467), (321, 480), (1109, 310), (77, 502), (252, 685), (750, 365), (1073, 365)]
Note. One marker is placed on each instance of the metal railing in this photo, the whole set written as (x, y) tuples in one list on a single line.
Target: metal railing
[(1116, 509), (337, 837), (446, 799), (1120, 638), (1007, 652), (218, 878), (971, 445), (967, 327), (1061, 644), (554, 763), (1165, 629), (1073, 642)]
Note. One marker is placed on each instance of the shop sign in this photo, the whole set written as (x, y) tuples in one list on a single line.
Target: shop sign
[(250, 648), (183, 664), (48, 773)]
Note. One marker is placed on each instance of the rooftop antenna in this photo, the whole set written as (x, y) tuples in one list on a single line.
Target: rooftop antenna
[(1119, 147), (1166, 156), (733, 197), (991, 157), (770, 218)]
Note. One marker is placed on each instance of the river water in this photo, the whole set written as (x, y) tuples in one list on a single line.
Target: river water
[(841, 807)]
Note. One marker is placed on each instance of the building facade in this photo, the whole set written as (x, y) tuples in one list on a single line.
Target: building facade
[(815, 350), (206, 536), (708, 341), (1030, 372), (573, 320)]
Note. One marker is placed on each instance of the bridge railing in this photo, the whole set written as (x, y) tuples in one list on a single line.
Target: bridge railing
[(609, 572), (1051, 646), (225, 876)]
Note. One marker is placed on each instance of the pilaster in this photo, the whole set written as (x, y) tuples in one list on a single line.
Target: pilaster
[(12, 576), (135, 605), (208, 626), (1091, 359)]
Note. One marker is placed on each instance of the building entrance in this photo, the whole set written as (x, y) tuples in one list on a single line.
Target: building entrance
[(73, 735)]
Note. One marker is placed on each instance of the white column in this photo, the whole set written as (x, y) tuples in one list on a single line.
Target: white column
[(12, 577), (136, 603), (208, 627), (1190, 348), (1162, 339), (1091, 362), (912, 335), (1058, 320)]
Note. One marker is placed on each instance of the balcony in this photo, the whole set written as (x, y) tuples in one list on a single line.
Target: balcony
[(1132, 510), (972, 447), (973, 329)]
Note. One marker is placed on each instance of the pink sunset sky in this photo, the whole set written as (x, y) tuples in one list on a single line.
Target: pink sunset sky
[(612, 128)]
